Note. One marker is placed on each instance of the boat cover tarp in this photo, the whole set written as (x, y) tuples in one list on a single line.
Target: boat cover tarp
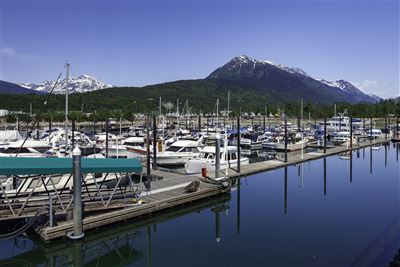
[(34, 166)]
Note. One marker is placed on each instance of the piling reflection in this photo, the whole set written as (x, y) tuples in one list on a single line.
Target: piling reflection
[(370, 159), (386, 150), (285, 190), (324, 176), (238, 206), (351, 165), (118, 245)]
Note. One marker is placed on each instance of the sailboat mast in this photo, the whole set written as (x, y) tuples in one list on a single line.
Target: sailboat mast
[(229, 96), (67, 65), (302, 130)]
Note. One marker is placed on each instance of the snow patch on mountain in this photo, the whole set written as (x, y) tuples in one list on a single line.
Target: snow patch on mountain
[(81, 84), (246, 59)]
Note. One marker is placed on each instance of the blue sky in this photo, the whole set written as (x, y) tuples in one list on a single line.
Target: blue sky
[(139, 43)]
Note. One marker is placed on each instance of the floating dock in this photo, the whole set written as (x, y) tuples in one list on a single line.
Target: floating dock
[(166, 193)]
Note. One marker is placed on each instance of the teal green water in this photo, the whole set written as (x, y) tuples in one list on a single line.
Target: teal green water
[(346, 217)]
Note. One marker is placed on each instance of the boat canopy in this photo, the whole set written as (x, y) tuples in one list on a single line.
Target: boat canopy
[(36, 166)]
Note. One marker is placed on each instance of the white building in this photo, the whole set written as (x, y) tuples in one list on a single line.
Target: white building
[(4, 112)]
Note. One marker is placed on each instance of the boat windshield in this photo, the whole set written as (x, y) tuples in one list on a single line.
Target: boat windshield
[(173, 149), (207, 155), (12, 150)]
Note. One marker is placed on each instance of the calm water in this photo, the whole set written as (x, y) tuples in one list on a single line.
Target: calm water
[(344, 218)]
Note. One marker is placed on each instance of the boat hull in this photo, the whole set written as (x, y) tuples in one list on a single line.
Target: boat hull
[(195, 166)]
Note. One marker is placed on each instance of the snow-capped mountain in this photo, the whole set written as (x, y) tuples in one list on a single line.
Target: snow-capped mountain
[(80, 84), (277, 79)]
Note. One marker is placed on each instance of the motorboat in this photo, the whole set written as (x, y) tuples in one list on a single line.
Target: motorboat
[(135, 147), (343, 138), (252, 141), (179, 153), (271, 143), (207, 157), (375, 133), (26, 148), (293, 145)]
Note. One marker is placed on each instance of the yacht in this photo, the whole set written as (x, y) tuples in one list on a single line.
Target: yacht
[(179, 153), (341, 123), (207, 156)]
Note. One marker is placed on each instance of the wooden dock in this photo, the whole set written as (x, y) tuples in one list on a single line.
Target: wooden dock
[(164, 195), (295, 158)]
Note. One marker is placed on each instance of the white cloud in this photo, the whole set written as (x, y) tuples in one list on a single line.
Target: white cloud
[(6, 51), (383, 90)]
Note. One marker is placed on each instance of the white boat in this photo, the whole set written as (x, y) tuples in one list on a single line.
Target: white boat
[(341, 123), (57, 139), (252, 143), (207, 156), (135, 147), (343, 138), (375, 133), (271, 143), (296, 145), (31, 148), (179, 153)]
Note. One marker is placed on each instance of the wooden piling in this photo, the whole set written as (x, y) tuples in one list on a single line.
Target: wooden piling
[(286, 158), (73, 134), (351, 132), (370, 132), (238, 144), (148, 147), (325, 134), (107, 138), (154, 143), (199, 122)]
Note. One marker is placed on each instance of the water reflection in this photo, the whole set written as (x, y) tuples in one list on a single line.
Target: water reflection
[(286, 189), (351, 165), (319, 230), (119, 244), (238, 205), (324, 176)]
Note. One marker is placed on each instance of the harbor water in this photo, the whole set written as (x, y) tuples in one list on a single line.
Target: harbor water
[(335, 211)]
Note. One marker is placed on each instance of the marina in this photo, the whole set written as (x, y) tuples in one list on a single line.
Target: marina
[(131, 188), (286, 194), (175, 133)]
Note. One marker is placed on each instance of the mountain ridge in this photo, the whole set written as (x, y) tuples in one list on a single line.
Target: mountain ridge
[(271, 76), (80, 84)]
